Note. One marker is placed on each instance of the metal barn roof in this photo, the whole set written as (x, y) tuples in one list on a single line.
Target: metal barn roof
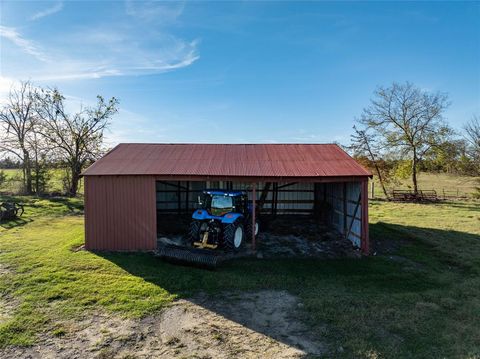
[(228, 160)]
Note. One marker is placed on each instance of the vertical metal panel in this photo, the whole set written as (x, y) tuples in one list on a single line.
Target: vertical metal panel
[(353, 196), (120, 213), (345, 205), (254, 210)]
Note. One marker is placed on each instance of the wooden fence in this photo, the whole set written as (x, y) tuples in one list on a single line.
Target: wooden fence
[(439, 193)]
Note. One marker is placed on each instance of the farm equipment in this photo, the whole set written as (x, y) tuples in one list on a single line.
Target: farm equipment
[(220, 225), (10, 210)]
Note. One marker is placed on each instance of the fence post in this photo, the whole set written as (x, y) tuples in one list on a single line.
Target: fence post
[(373, 190)]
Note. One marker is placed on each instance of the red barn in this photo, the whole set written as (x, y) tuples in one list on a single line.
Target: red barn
[(131, 185)]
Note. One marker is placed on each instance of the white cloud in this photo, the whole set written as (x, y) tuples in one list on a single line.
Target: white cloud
[(25, 45), (58, 6), (165, 12), (6, 83), (98, 52)]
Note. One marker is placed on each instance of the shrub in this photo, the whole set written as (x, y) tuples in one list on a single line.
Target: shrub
[(3, 178)]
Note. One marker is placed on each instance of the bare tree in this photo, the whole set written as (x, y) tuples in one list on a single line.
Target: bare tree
[(364, 143), (17, 123), (76, 138), (407, 120)]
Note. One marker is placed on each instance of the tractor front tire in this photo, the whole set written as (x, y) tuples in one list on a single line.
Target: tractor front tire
[(248, 228), (233, 236)]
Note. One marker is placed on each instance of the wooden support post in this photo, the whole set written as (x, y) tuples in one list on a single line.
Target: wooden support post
[(254, 210), (365, 245), (187, 197), (272, 209), (263, 196), (345, 209), (316, 201), (276, 199), (179, 198)]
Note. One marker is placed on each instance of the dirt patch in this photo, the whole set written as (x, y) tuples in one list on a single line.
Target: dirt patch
[(263, 324), (283, 246), (7, 304), (4, 270), (272, 315), (290, 246), (77, 248), (306, 227), (7, 308)]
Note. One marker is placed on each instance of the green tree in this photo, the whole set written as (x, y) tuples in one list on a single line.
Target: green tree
[(407, 121), (446, 157), (472, 136)]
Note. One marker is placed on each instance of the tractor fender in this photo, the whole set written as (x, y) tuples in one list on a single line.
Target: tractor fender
[(201, 214), (231, 217)]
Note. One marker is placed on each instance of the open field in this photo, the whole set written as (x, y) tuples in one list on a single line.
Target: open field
[(418, 297), (14, 181), (441, 182)]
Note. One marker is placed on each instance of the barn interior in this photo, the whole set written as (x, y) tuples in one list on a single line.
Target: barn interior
[(296, 218)]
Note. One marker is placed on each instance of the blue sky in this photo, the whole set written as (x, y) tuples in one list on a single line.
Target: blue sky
[(241, 71)]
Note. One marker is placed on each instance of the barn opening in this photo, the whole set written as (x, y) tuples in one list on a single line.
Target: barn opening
[(334, 206), (138, 192)]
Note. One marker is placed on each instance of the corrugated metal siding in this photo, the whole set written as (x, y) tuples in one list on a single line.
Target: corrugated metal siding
[(353, 193), (293, 198), (228, 160), (120, 213)]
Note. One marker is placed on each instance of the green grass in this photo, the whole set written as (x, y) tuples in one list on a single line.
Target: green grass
[(423, 302)]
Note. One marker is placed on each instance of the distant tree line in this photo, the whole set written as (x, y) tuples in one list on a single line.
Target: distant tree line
[(400, 133), (37, 133), (403, 131)]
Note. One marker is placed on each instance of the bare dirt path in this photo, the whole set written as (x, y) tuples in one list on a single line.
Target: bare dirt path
[(262, 324)]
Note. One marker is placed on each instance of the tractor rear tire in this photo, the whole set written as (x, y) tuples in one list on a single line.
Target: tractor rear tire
[(194, 233), (233, 236)]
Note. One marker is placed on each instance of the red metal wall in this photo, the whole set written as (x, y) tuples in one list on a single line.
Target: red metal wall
[(120, 213)]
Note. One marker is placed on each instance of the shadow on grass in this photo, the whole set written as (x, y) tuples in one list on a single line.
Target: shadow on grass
[(319, 280), (17, 222), (73, 204), (441, 250), (473, 205)]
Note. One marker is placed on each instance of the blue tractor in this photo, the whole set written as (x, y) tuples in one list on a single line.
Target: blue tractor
[(224, 220), (220, 225)]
